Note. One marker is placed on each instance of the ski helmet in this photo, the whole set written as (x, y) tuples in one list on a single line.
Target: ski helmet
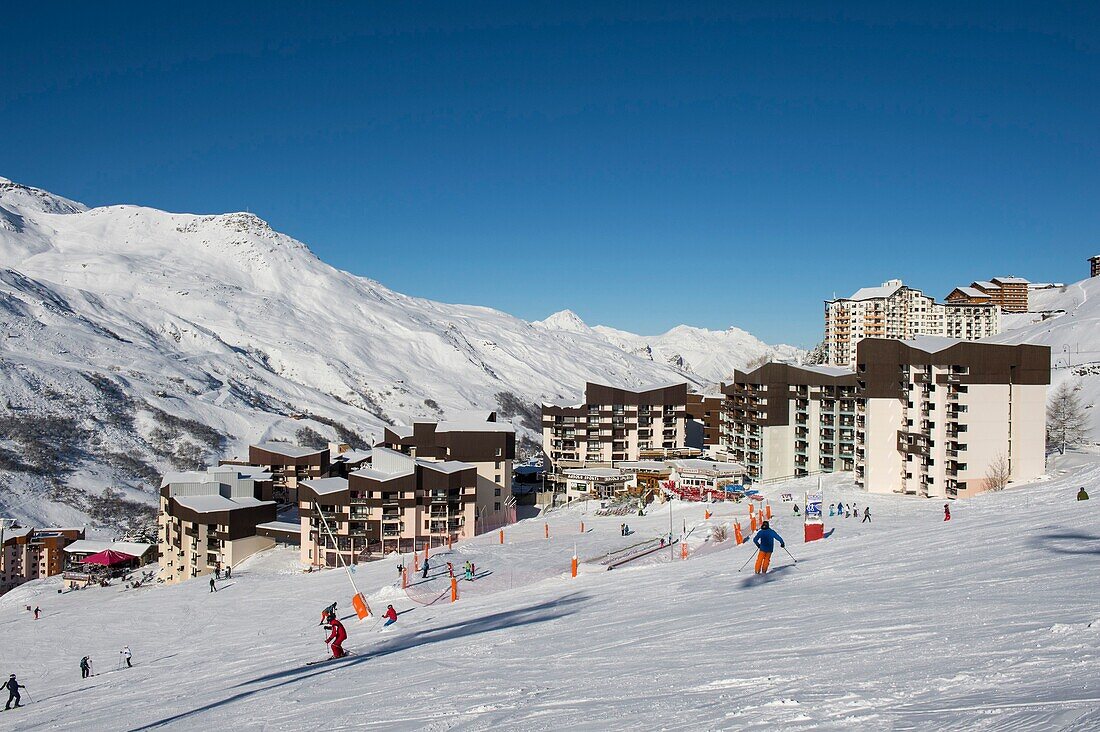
[(765, 525)]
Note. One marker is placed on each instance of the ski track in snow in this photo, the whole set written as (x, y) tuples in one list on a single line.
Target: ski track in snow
[(986, 622)]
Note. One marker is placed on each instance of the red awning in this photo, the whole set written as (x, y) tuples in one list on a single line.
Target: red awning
[(108, 558)]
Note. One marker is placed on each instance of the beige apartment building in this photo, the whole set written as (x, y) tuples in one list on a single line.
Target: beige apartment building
[(288, 465), (475, 438), (896, 311), (28, 554), (399, 503), (785, 421), (615, 423), (936, 413), (208, 519)]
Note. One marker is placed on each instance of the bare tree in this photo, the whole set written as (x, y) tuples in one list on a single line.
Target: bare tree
[(998, 473), (718, 533), (1067, 422)]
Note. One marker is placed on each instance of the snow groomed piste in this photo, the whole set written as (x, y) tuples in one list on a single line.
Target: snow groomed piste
[(906, 622)]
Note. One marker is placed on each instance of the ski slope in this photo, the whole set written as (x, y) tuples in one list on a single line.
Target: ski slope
[(988, 622)]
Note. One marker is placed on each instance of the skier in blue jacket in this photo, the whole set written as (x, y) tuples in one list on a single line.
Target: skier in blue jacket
[(765, 543)]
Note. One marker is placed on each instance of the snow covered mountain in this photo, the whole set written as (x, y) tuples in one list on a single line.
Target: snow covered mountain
[(709, 354), (1068, 320), (134, 341)]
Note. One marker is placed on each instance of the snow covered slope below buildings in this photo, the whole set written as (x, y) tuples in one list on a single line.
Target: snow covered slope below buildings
[(1068, 320), (986, 622), (133, 341)]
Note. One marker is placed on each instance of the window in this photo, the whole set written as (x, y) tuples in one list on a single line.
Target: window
[(496, 478), (496, 506), (497, 465), (496, 491), (500, 452)]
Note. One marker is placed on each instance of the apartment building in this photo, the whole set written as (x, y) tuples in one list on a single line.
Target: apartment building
[(936, 413), (1010, 293), (28, 554), (399, 503), (615, 423), (208, 519), (476, 438), (288, 465), (705, 421), (1094, 266), (786, 421), (893, 310)]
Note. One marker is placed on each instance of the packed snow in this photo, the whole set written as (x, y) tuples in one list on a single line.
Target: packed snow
[(986, 622)]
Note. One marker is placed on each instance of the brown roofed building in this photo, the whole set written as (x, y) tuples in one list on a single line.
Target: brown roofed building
[(706, 411), (1010, 293), (208, 519), (289, 465), (475, 438), (399, 503), (29, 554), (1094, 266)]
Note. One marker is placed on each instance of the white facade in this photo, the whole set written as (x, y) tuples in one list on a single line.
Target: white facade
[(895, 311)]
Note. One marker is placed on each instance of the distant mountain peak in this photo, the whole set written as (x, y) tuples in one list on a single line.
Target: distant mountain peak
[(35, 199), (564, 320)]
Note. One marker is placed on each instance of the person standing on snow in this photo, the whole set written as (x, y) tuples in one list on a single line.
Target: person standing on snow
[(13, 692), (832, 510), (390, 615), (336, 637), (37, 612), (946, 512), (424, 575), (228, 571), (866, 515), (796, 509), (1082, 495), (85, 667), (213, 587), (765, 544), (126, 655)]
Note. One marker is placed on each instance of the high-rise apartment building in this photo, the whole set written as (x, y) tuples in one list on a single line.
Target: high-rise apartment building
[(895, 311), (937, 417)]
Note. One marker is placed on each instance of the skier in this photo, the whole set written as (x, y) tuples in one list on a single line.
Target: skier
[(946, 512), (1082, 495), (37, 612), (390, 616), (213, 588), (126, 655), (13, 692), (217, 572), (228, 571), (847, 511), (866, 515), (337, 636), (765, 545), (424, 575), (85, 667), (622, 529), (796, 509), (832, 510), (468, 569)]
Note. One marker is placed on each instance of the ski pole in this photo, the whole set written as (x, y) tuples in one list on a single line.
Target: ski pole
[(790, 555), (749, 559)]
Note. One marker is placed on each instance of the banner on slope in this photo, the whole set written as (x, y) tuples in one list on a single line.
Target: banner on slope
[(814, 527)]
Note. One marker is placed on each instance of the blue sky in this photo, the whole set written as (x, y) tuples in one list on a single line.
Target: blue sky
[(721, 165)]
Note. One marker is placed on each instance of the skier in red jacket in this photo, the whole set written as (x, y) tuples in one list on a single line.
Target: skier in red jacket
[(390, 616), (946, 512), (337, 636)]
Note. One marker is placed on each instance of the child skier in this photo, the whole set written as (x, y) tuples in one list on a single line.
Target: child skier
[(946, 512), (765, 544)]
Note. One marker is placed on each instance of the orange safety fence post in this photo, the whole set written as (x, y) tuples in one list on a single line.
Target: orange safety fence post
[(751, 509), (706, 515), (362, 609), (426, 550), (768, 511), (450, 541), (752, 522), (546, 530), (683, 550), (416, 562), (574, 565), (582, 527), (454, 589), (502, 536), (404, 578), (737, 535)]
